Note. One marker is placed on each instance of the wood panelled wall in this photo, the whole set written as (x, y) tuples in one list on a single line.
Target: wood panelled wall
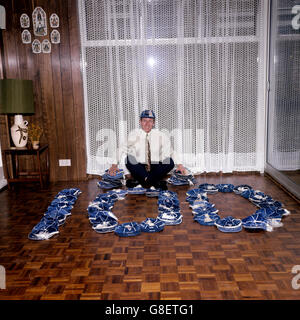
[(57, 83)]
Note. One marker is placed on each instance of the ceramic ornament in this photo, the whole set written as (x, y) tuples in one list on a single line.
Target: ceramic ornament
[(36, 46), (55, 36), (19, 131), (24, 21), (39, 22), (26, 36), (46, 46), (54, 20)]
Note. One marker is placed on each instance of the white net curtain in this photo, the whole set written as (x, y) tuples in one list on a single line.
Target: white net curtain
[(284, 110), (199, 64)]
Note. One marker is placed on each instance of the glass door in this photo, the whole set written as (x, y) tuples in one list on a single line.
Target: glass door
[(283, 125)]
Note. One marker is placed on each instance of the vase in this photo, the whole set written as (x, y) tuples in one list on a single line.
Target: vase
[(35, 145), (19, 131)]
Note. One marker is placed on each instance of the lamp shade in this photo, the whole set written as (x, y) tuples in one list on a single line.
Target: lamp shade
[(16, 96)]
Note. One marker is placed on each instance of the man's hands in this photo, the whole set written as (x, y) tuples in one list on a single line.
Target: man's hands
[(182, 169), (113, 170)]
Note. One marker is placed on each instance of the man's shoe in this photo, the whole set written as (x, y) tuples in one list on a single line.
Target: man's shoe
[(162, 185), (131, 183), (136, 190), (152, 192)]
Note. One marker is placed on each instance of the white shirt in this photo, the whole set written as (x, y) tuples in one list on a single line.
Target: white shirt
[(160, 146)]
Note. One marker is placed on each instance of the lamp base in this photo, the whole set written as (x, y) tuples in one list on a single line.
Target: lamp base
[(19, 131)]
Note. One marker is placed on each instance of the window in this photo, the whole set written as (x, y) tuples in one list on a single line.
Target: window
[(199, 64)]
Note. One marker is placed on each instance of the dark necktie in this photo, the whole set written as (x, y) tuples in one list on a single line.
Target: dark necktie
[(148, 153)]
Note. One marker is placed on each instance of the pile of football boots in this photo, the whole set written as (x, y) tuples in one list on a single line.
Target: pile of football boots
[(169, 208), (111, 182), (178, 179), (99, 211), (267, 217), (55, 215), (203, 211)]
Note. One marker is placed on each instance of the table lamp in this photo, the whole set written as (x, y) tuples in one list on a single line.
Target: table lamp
[(16, 97)]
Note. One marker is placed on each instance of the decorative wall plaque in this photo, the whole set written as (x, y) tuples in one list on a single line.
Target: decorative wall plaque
[(39, 25), (46, 46), (24, 21), (36, 46), (55, 36), (54, 20), (39, 22), (26, 36)]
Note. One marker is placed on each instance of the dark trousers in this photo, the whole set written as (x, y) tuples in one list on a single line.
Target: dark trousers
[(152, 177)]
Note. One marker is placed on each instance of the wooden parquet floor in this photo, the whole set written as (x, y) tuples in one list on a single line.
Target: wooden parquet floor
[(186, 261)]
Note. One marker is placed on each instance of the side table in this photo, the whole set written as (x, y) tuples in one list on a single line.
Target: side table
[(19, 176)]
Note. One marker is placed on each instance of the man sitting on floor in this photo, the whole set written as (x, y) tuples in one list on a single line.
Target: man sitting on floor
[(149, 155)]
